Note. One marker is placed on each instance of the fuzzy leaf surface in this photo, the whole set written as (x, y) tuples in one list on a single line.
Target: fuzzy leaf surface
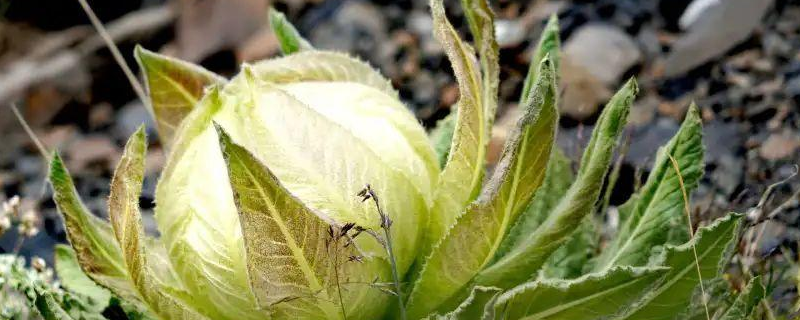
[(460, 180), (659, 206), (473, 241), (478, 306), (527, 257), (557, 180), (174, 87), (316, 147), (569, 261), (747, 301), (285, 241), (593, 296), (93, 240), (442, 137), (672, 296), (326, 66), (126, 220), (549, 44), (289, 38), (73, 278)]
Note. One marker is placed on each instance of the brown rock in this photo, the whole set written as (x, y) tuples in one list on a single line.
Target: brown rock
[(500, 132), (205, 27), (583, 92), (92, 149), (779, 146)]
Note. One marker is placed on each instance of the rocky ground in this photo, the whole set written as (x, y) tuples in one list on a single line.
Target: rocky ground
[(738, 60)]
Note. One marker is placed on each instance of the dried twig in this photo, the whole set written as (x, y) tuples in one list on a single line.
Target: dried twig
[(757, 214), (691, 232), (101, 30), (42, 150), (386, 224), (33, 70)]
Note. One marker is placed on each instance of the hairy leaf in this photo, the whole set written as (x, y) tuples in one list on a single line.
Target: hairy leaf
[(670, 298), (460, 180), (210, 260), (478, 306), (659, 206), (528, 256), (549, 44), (557, 180), (569, 261), (93, 240), (473, 241), (308, 73), (72, 278), (324, 66), (442, 137), (286, 243), (323, 150), (288, 37), (481, 22), (126, 220), (594, 296), (747, 301), (174, 86)]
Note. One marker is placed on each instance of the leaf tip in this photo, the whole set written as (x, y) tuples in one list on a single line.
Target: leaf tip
[(145, 58), (552, 22), (223, 138)]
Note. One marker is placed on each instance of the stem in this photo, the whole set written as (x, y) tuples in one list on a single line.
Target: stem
[(691, 233), (101, 30), (336, 274), (386, 225), (18, 245), (395, 276)]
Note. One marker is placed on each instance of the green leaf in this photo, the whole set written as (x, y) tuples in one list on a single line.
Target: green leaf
[(286, 243), (69, 271), (345, 79), (460, 180), (478, 306), (49, 308), (473, 241), (27, 292), (549, 44), (712, 244), (747, 301), (659, 207), (323, 66), (323, 150), (442, 137), (528, 256), (126, 220), (174, 87), (97, 252), (569, 261), (594, 296), (481, 22), (290, 40), (557, 180), (204, 261)]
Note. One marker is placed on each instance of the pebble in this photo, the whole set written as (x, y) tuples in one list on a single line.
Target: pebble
[(605, 51), (510, 33), (779, 146), (128, 120), (720, 28)]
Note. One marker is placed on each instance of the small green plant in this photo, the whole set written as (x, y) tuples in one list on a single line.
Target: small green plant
[(263, 210)]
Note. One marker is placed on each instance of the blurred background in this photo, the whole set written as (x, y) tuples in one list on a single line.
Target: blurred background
[(738, 59)]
